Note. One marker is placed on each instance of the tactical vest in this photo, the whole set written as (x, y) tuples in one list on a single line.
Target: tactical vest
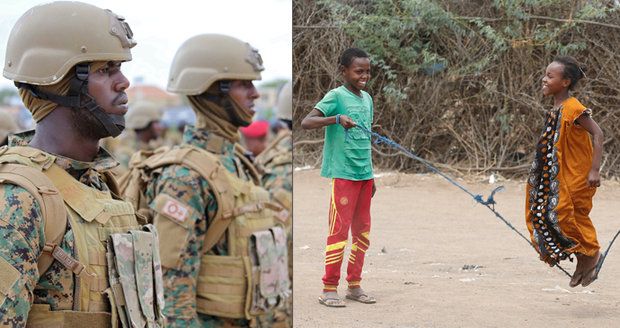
[(110, 246), (253, 278)]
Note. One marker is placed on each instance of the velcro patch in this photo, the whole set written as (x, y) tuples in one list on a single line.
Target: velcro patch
[(175, 209), (8, 277), (172, 208)]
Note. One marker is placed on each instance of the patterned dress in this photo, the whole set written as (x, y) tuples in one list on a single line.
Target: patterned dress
[(558, 198)]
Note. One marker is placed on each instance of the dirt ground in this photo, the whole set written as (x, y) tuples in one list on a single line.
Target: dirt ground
[(438, 259)]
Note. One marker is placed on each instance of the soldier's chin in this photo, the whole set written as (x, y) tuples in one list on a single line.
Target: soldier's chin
[(117, 121), (120, 127)]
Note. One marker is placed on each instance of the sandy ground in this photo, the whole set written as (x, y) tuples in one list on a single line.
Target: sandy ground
[(424, 233)]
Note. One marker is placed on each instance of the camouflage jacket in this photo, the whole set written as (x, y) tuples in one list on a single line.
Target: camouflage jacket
[(128, 145), (188, 187), (276, 165), (22, 240)]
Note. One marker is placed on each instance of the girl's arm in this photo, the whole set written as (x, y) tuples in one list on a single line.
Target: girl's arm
[(594, 179), (316, 120)]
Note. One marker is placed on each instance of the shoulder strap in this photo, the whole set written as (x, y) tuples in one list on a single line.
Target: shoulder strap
[(266, 155), (272, 155), (110, 180), (49, 199), (132, 183), (254, 175), (209, 167)]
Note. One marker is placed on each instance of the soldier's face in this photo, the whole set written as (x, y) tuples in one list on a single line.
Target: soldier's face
[(244, 93), (256, 145), (107, 86), (157, 129)]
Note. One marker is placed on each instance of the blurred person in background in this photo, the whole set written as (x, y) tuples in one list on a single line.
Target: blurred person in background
[(275, 163), (255, 137), (7, 126), (143, 131)]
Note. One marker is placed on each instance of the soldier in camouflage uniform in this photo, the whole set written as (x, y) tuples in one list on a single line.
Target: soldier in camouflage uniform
[(143, 131), (276, 166), (7, 126), (276, 160), (216, 282), (57, 202)]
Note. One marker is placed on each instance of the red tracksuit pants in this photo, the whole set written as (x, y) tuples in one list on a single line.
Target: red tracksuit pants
[(349, 208)]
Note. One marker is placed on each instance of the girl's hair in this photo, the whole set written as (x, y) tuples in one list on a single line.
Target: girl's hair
[(572, 69), (346, 58)]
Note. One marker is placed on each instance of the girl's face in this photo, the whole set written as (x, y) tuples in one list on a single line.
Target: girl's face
[(358, 73), (554, 82)]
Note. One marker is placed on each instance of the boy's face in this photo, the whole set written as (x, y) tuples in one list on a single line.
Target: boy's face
[(554, 82), (358, 73)]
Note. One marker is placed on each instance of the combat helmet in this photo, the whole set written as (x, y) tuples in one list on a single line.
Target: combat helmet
[(142, 113), (51, 39), (284, 104), (206, 59)]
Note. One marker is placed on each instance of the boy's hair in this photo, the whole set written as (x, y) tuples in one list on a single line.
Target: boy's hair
[(347, 56), (572, 69)]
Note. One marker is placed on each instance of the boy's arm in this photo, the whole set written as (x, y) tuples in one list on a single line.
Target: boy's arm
[(594, 179), (315, 120)]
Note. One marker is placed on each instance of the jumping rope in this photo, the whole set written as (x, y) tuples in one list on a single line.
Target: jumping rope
[(488, 203)]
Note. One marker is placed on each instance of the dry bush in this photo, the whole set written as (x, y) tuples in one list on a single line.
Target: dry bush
[(458, 81)]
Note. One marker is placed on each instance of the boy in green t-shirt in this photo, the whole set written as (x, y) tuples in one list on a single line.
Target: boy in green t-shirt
[(347, 161)]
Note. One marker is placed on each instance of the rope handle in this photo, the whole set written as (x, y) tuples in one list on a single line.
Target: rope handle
[(488, 203)]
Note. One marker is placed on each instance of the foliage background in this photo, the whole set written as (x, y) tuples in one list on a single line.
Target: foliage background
[(459, 82)]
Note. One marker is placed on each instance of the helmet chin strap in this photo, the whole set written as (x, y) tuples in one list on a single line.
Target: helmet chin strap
[(79, 99), (114, 124), (224, 101), (234, 117)]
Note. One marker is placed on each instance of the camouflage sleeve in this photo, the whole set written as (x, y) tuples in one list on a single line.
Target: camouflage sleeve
[(278, 180), (21, 242), (182, 203), (279, 177), (122, 155), (278, 167)]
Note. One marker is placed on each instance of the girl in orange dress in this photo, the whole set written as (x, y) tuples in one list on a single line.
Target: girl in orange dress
[(564, 176)]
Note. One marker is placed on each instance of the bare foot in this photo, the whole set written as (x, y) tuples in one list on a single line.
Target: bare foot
[(589, 272), (578, 274)]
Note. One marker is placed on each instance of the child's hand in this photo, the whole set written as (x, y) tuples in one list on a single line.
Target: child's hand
[(346, 122), (594, 178)]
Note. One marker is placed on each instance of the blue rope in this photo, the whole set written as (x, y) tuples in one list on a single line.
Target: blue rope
[(488, 203), (599, 265)]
